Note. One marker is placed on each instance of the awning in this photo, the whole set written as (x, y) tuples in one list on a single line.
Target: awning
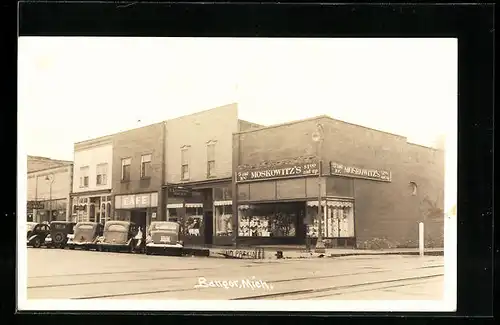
[(175, 206), (194, 205), (243, 207), (335, 204), (219, 203)]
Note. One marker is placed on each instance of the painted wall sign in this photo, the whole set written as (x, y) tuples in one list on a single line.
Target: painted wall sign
[(284, 171), (179, 191), (257, 253), (350, 171), (134, 201)]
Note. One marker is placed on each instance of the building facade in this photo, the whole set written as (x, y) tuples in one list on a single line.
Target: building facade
[(137, 174), (49, 193), (198, 174), (91, 192), (373, 187)]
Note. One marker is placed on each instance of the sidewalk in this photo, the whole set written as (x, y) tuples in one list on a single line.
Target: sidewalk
[(297, 252)]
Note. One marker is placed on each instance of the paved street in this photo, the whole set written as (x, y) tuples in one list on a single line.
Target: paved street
[(65, 274)]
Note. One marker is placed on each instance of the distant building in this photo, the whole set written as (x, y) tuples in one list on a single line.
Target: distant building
[(48, 189), (38, 163), (375, 186)]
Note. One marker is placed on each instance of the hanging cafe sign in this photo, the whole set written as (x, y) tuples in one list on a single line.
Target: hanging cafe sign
[(282, 171), (350, 171)]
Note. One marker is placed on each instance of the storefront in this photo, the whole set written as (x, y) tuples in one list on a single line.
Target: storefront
[(279, 204), (91, 207), (141, 208), (47, 210), (271, 203), (204, 212)]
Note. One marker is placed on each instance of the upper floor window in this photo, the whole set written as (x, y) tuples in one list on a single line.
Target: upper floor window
[(102, 174), (211, 160), (84, 176), (185, 163), (126, 162), (146, 165)]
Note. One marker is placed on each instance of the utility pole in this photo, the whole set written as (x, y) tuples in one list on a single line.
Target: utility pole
[(318, 138), (51, 180)]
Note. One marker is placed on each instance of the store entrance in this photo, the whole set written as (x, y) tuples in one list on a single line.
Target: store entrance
[(208, 227), (139, 218)]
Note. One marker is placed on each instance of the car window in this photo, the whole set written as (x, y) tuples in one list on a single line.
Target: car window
[(120, 228), (45, 228), (88, 227)]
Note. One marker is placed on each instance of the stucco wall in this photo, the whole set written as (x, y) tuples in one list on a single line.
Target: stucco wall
[(91, 157)]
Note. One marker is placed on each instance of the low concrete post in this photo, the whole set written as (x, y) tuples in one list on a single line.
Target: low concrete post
[(421, 238)]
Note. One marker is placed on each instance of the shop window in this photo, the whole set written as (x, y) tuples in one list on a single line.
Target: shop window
[(126, 169), (185, 163), (223, 219), (146, 166), (337, 220), (211, 160), (193, 222), (102, 174), (268, 220), (84, 176)]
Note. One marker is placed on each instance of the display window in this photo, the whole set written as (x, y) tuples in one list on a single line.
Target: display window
[(269, 219), (223, 218), (337, 219)]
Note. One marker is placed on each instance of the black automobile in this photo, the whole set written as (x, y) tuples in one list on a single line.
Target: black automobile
[(60, 232), (86, 235), (36, 233)]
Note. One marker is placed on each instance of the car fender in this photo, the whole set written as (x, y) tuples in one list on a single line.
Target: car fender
[(32, 237)]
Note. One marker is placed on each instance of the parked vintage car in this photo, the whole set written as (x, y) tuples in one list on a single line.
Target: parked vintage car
[(86, 235), (60, 233), (163, 237), (36, 233), (118, 236)]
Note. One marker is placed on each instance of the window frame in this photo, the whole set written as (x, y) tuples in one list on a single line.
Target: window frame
[(124, 163), (185, 163), (211, 159), (84, 176), (104, 176), (143, 164)]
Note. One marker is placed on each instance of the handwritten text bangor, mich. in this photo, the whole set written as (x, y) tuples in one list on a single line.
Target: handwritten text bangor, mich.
[(236, 284)]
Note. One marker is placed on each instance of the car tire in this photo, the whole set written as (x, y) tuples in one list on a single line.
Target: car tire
[(37, 243)]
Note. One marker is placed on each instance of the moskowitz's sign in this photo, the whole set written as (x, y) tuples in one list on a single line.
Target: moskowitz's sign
[(283, 171), (350, 171)]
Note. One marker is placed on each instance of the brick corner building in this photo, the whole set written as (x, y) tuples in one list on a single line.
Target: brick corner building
[(375, 186)]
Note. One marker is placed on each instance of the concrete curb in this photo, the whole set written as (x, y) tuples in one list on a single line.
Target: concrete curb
[(270, 254)]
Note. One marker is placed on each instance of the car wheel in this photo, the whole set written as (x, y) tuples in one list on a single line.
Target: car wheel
[(37, 243)]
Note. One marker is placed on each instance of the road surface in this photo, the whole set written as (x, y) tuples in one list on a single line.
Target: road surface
[(68, 274)]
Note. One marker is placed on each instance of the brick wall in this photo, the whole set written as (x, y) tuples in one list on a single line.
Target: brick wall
[(133, 144), (196, 131), (382, 210)]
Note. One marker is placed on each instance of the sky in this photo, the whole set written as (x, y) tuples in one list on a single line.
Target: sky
[(75, 89)]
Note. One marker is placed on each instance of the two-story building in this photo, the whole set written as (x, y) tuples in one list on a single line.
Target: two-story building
[(49, 190), (372, 187), (137, 173), (91, 192), (198, 173)]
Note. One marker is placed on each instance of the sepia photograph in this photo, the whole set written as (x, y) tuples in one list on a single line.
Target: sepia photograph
[(251, 174)]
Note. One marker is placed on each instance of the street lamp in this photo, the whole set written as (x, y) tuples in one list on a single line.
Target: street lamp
[(317, 137), (50, 179)]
